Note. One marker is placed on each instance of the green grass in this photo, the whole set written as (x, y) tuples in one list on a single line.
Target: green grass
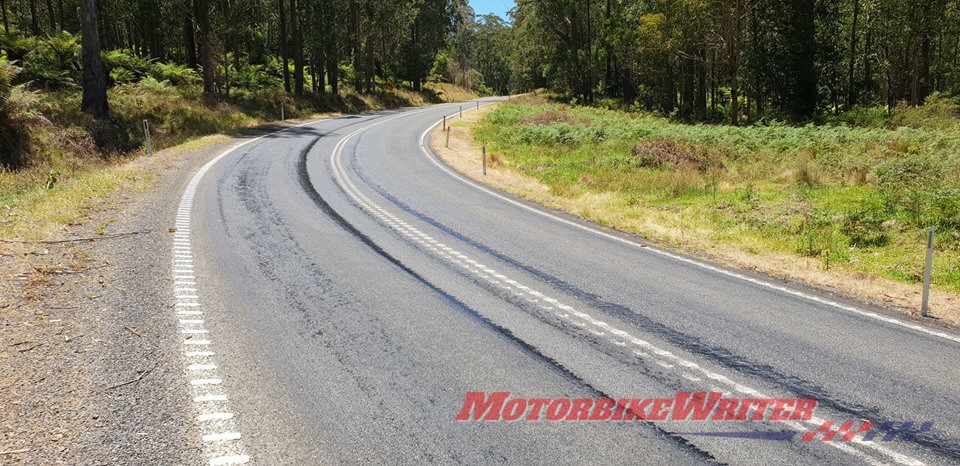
[(855, 195)]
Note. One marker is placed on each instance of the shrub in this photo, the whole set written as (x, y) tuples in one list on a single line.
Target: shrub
[(177, 75), (54, 63), (818, 237), (14, 139), (125, 67), (906, 180), (865, 227), (806, 175), (663, 152), (553, 115)]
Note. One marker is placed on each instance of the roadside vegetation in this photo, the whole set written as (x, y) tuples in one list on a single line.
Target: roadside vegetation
[(56, 160), (856, 193)]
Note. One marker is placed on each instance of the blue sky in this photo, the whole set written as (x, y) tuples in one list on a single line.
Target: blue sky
[(497, 7)]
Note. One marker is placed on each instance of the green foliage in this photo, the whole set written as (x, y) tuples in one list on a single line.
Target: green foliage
[(54, 63), (257, 77), (125, 67), (178, 75), (849, 196), (14, 139)]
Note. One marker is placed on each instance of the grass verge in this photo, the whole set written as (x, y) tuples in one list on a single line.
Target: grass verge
[(75, 163), (835, 206)]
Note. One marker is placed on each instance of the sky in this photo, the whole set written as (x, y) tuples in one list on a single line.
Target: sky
[(497, 7)]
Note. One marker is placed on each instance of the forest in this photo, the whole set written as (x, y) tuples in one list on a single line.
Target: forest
[(705, 60), (742, 60)]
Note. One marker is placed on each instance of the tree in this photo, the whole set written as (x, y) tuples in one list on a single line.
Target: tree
[(94, 82)]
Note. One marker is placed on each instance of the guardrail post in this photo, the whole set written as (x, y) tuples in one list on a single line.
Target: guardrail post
[(484, 159), (146, 132), (927, 271)]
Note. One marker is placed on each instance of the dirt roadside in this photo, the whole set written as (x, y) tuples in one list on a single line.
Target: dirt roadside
[(88, 367), (464, 155)]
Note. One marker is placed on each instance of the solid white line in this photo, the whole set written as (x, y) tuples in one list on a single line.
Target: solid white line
[(349, 188), (233, 459), (696, 263)]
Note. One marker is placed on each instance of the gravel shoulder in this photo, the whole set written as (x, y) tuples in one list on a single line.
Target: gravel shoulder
[(90, 374)]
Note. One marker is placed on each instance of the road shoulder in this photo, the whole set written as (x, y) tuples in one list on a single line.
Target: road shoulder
[(91, 371)]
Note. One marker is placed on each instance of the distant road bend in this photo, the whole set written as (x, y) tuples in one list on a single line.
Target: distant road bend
[(354, 290)]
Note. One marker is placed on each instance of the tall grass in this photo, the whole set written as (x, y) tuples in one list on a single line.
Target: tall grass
[(854, 194)]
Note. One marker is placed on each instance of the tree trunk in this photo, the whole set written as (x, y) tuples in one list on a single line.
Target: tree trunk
[(733, 60), (94, 82), (205, 38), (851, 85), (190, 40), (368, 64), (868, 60), (333, 76), (51, 16), (34, 22), (298, 49), (6, 22), (700, 99), (63, 16), (284, 51)]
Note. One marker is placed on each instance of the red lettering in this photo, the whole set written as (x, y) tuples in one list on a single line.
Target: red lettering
[(804, 409), (779, 409), (636, 408), (657, 413), (483, 407), (761, 405), (602, 410), (514, 409), (580, 410), (726, 409), (699, 404), (557, 409), (536, 404)]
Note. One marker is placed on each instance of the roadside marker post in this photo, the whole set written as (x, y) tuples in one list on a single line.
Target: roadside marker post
[(282, 116), (478, 105), (146, 132), (461, 111), (484, 159), (447, 144), (444, 122), (927, 271)]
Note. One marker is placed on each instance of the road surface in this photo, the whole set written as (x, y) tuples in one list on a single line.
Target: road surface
[(349, 291)]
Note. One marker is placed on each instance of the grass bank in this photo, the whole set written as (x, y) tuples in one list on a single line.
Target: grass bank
[(72, 161), (840, 204)]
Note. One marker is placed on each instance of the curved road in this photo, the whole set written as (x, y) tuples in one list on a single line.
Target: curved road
[(355, 291)]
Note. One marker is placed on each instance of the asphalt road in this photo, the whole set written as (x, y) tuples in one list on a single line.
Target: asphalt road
[(355, 291)]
